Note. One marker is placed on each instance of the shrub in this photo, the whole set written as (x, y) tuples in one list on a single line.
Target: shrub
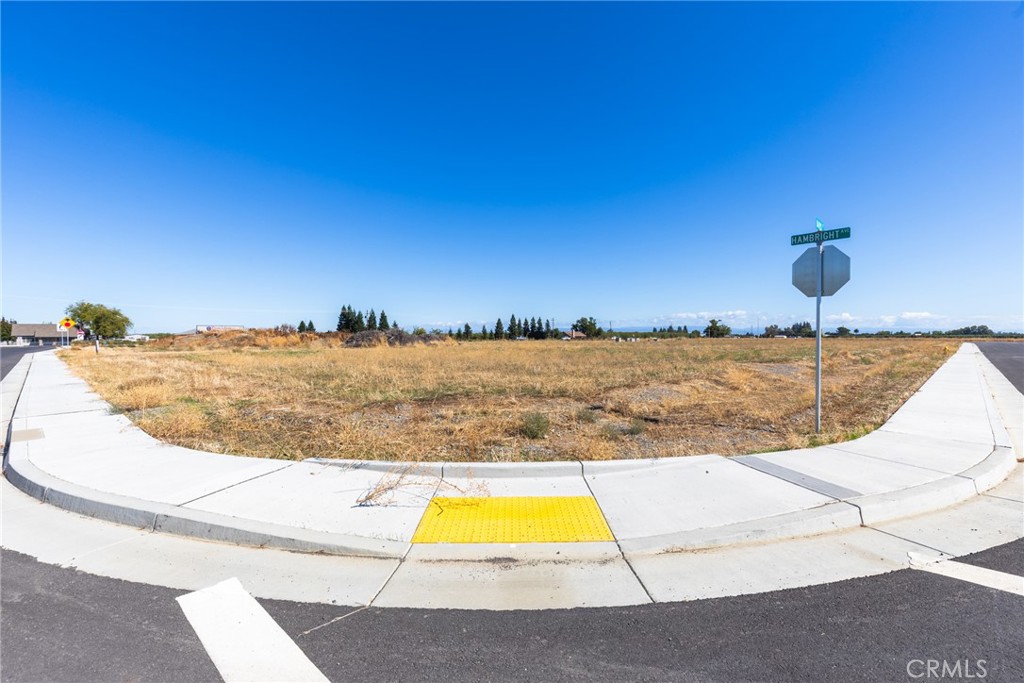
[(535, 425)]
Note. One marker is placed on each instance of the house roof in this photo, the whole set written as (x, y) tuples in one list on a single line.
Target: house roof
[(36, 330)]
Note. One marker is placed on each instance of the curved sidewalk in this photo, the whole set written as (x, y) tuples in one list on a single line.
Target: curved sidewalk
[(945, 445)]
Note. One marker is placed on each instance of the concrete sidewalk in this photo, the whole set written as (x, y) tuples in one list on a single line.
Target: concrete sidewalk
[(947, 444)]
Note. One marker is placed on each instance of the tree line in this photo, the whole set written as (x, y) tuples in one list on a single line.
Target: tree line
[(351, 320), (536, 327)]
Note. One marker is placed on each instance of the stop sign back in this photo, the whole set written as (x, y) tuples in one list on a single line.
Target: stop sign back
[(836, 271)]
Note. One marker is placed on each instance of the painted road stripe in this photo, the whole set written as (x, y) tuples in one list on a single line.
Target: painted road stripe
[(989, 578), (244, 642)]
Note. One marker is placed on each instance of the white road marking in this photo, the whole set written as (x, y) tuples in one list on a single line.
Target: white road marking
[(244, 642), (1011, 583)]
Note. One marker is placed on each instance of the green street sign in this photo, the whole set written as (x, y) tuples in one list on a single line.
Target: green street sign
[(819, 236)]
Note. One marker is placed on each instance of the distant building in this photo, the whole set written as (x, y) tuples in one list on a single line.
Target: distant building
[(573, 334), (137, 338), (40, 333)]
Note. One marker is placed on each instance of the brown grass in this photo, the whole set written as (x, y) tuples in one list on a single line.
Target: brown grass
[(306, 397)]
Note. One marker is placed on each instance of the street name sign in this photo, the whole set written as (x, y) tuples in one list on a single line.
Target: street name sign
[(819, 236)]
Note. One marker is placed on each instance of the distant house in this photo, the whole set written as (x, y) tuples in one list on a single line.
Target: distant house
[(573, 334), (39, 333)]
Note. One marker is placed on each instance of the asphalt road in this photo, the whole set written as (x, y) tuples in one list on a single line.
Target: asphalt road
[(61, 625), (10, 355), (1009, 358)]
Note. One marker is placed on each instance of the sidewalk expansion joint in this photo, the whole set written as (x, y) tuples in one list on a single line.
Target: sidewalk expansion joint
[(408, 549), (105, 411), (237, 483), (910, 540), (839, 447), (992, 495), (618, 544)]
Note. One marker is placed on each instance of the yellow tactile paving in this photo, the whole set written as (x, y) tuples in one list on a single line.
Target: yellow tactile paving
[(514, 519)]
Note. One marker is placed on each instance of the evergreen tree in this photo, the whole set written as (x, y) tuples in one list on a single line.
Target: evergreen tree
[(513, 327), (371, 320), (394, 325), (382, 324), (467, 332), (450, 333), (547, 329), (310, 327), (5, 329), (499, 330), (358, 325), (302, 326), (347, 320), (685, 331)]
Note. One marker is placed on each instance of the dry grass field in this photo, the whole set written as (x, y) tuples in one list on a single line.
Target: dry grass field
[(506, 401)]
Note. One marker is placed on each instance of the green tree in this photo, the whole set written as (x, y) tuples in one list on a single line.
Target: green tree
[(302, 326), (347, 320), (513, 327), (99, 319), (547, 329), (499, 330), (371, 320), (359, 324), (382, 324), (843, 331), (588, 326), (310, 327), (5, 329), (467, 332), (716, 329), (972, 331)]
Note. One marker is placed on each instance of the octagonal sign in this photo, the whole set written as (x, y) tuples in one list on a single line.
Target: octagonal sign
[(836, 271)]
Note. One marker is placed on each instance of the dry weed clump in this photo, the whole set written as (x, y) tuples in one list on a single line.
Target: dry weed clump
[(311, 396)]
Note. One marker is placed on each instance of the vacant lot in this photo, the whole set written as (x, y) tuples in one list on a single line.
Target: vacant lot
[(499, 401)]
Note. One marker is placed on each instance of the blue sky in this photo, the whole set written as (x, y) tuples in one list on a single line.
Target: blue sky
[(645, 164)]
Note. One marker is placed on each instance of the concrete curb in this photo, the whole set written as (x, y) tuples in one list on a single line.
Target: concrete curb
[(172, 519), (811, 522), (10, 392), (1007, 402)]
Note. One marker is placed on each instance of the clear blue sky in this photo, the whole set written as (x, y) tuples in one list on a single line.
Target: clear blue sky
[(644, 164)]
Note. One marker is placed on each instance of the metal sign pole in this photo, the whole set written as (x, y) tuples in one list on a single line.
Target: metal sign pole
[(817, 341)]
